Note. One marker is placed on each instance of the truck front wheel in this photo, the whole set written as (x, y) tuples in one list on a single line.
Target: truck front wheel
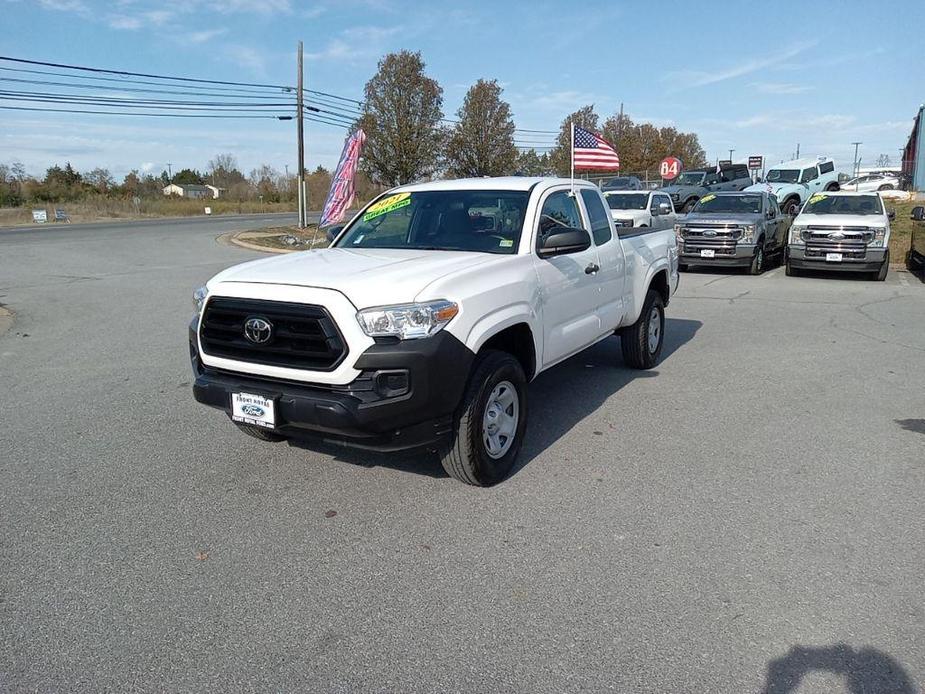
[(489, 426), (642, 341), (792, 206)]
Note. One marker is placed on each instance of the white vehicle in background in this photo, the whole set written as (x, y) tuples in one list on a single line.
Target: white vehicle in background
[(793, 182), (841, 231), (422, 323), (874, 182), (641, 209)]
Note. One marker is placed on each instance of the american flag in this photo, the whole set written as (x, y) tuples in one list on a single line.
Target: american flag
[(593, 152), (342, 188)]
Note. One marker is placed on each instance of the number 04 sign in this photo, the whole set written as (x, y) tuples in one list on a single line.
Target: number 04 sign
[(669, 168)]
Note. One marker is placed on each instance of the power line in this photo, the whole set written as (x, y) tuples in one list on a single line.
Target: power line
[(129, 113), (75, 85), (140, 74)]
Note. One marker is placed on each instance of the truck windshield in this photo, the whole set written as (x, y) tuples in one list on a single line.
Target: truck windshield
[(735, 204), (691, 178), (783, 175), (484, 221), (627, 201), (844, 204)]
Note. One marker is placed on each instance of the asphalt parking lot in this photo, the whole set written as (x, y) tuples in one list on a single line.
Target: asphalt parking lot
[(745, 518)]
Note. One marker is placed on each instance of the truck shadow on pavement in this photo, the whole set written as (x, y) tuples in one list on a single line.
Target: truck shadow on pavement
[(864, 671), (568, 393), (559, 399)]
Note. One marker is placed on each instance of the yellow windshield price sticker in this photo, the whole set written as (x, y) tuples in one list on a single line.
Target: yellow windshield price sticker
[(817, 197), (506, 243), (386, 205), (707, 198)]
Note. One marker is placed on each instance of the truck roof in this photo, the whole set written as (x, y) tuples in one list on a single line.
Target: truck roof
[(801, 163), (523, 183)]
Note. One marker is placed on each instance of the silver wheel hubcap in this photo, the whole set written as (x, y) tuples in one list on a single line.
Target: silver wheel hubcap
[(655, 329), (499, 423)]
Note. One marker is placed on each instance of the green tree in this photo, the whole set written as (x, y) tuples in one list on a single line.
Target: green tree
[(642, 146), (529, 163), (482, 143), (402, 121), (187, 177), (224, 172), (560, 158), (99, 179)]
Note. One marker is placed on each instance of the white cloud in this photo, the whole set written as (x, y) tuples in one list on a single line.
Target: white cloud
[(64, 5), (779, 88), (147, 167), (158, 17), (248, 58), (694, 78), (253, 6), (203, 36), (124, 22)]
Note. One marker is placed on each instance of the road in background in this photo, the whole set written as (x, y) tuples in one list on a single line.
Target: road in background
[(748, 512)]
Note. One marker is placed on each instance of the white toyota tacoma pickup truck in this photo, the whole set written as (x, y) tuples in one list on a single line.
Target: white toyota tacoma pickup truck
[(422, 323)]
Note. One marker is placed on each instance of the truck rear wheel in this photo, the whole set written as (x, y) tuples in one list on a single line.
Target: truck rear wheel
[(642, 341), (489, 427), (260, 433)]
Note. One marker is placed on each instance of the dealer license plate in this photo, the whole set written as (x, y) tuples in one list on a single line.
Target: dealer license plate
[(253, 409), (707, 253), (833, 257)]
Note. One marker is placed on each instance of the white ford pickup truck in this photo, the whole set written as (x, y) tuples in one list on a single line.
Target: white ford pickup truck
[(422, 323)]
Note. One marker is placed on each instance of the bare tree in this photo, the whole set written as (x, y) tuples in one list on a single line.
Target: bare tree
[(482, 143), (402, 121)]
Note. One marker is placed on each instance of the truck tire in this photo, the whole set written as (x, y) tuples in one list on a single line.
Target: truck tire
[(832, 187), (688, 205), (642, 341), (260, 433), (495, 401), (757, 266), (791, 206), (880, 275)]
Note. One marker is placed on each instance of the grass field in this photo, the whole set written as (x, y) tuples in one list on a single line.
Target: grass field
[(98, 209)]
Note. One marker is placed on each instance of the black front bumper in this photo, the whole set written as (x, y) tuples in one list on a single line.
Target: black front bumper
[(872, 261), (359, 414)]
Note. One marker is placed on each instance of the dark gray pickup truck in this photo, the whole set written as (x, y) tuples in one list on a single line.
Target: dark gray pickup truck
[(732, 229)]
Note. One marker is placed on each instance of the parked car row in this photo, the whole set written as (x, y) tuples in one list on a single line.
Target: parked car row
[(832, 231)]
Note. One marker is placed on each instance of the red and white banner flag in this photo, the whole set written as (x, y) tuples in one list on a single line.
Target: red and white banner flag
[(343, 190)]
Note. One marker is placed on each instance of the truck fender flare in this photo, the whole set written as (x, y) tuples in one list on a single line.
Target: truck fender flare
[(639, 300), (493, 323)]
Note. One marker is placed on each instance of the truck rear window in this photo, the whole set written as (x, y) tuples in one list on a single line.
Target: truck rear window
[(483, 221)]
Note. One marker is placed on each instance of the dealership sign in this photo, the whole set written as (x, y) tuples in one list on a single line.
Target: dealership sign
[(669, 168), (755, 162)]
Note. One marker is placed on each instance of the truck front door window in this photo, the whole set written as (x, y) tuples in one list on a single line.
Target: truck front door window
[(560, 211)]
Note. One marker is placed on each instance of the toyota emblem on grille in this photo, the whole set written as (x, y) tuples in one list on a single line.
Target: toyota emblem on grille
[(258, 330)]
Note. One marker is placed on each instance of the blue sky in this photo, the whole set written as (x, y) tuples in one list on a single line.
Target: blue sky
[(754, 77)]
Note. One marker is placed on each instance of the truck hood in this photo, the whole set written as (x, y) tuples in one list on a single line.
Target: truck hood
[(680, 190), (776, 188), (842, 220), (366, 276), (723, 218)]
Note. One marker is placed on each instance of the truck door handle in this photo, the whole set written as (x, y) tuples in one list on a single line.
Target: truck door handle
[(591, 269)]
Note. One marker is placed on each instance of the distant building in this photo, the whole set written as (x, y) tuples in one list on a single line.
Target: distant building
[(190, 190)]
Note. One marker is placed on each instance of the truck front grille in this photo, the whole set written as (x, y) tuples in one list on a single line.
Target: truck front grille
[(301, 336), (851, 242), (720, 239)]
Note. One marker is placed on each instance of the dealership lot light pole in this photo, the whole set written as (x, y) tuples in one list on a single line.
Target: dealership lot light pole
[(856, 145)]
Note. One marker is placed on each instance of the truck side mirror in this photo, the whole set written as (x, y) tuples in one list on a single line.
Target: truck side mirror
[(918, 213), (564, 241), (891, 213), (664, 208), (333, 231)]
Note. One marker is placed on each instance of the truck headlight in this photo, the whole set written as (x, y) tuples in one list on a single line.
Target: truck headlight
[(748, 234), (796, 234), (407, 321), (879, 236), (199, 299)]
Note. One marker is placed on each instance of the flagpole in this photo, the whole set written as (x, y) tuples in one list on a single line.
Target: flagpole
[(573, 158)]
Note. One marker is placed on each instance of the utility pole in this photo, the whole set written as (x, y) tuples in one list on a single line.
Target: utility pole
[(798, 151), (300, 165), (730, 155), (856, 144), (169, 173)]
